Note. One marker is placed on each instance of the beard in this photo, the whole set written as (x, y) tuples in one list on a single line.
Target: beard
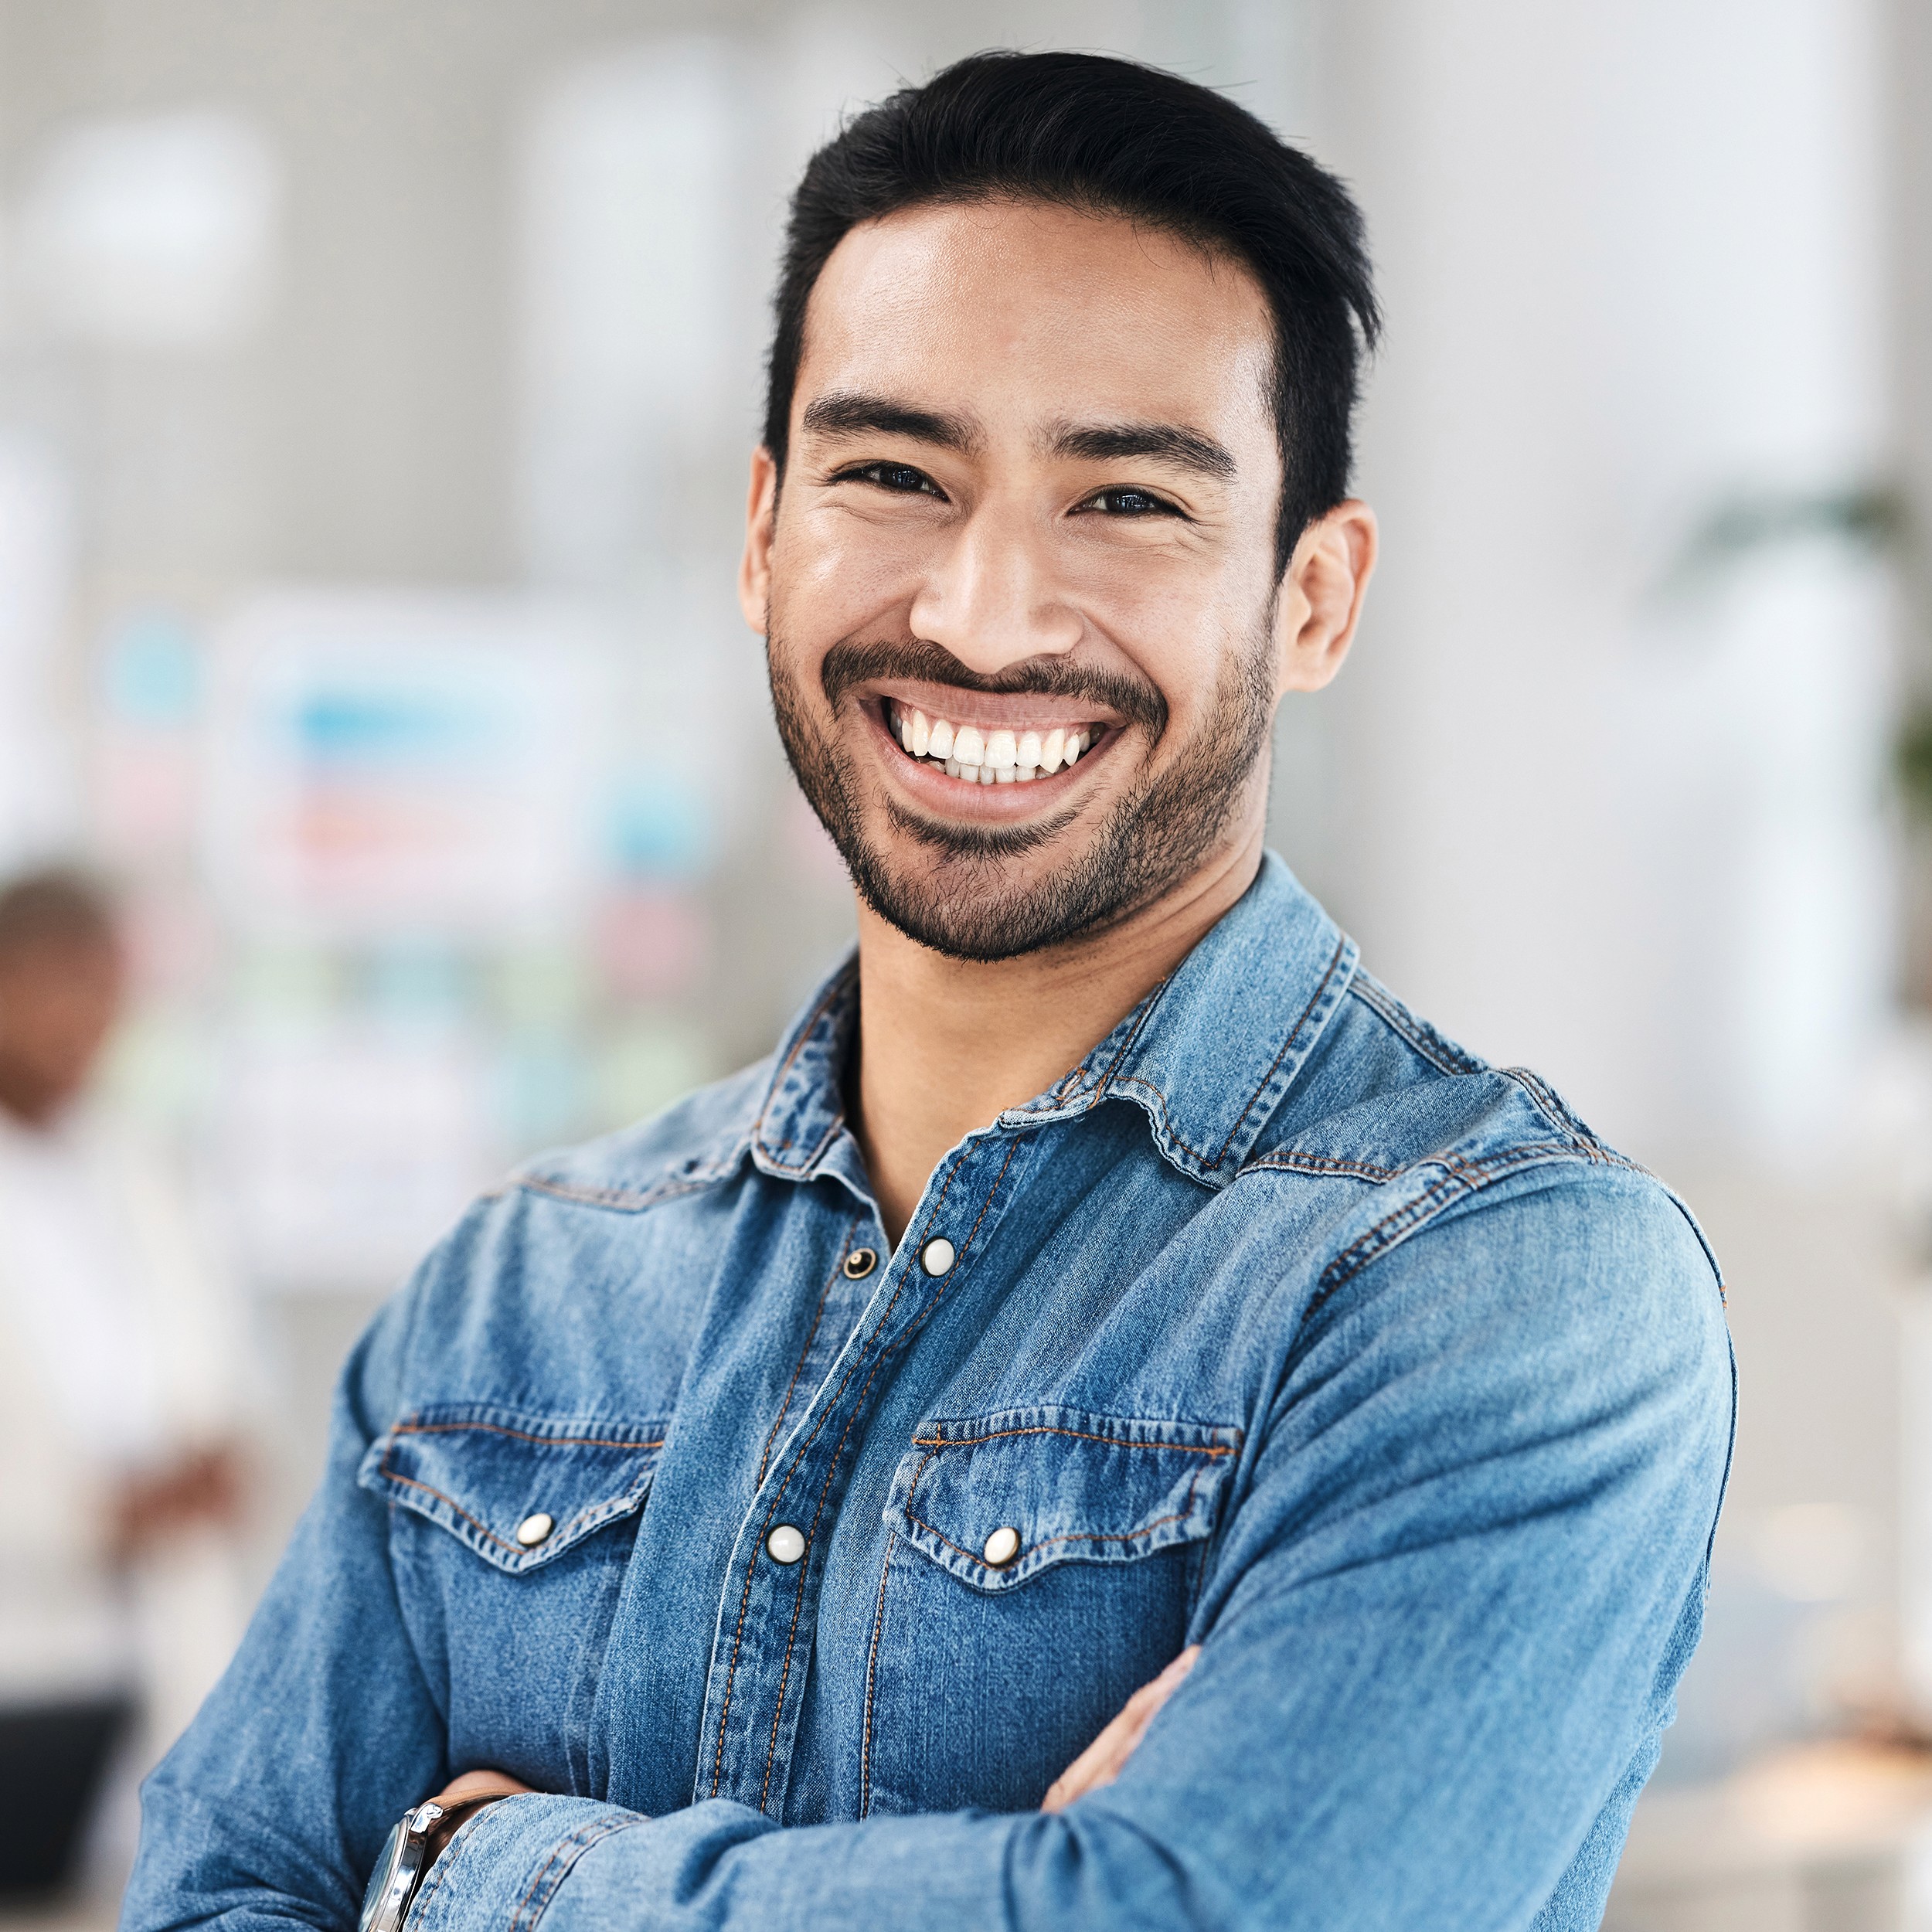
[(963, 903)]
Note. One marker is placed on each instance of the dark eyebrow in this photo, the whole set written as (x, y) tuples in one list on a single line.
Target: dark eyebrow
[(1166, 442), (845, 414)]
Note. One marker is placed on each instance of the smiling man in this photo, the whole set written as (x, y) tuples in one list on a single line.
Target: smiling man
[(1117, 1423)]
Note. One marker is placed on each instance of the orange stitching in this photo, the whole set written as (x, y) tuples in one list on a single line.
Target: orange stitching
[(811, 1336), (1294, 1162), (1072, 1536), (835, 992), (1130, 1080), (837, 1455), (744, 1602), (521, 1435), (1081, 1435), (1127, 1045), (413, 1484), (515, 1549), (872, 1678), (1342, 946), (581, 1839)]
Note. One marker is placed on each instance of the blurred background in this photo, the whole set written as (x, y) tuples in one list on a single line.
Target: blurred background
[(376, 382)]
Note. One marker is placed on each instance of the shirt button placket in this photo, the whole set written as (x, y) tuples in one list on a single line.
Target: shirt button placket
[(766, 1634)]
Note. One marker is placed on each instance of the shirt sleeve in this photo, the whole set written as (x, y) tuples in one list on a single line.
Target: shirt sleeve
[(271, 1809), (1441, 1634)]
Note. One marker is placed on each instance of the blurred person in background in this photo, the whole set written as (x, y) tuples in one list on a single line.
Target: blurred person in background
[(121, 1393), (1117, 1421)]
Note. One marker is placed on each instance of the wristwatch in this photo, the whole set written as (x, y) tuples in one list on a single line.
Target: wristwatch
[(411, 1849)]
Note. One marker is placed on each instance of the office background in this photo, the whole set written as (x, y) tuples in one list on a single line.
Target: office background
[(376, 382)]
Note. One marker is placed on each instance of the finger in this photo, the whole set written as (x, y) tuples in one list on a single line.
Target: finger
[(481, 1783), (1105, 1759)]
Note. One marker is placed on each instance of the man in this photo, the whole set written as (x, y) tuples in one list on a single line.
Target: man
[(1106, 1284), (121, 1387)]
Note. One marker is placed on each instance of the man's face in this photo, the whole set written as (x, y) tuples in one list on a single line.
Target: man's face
[(1029, 509)]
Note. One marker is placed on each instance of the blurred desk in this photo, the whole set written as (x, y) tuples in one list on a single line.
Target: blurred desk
[(1825, 1838)]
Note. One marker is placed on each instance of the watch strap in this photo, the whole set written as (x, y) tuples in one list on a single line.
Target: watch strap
[(454, 1814)]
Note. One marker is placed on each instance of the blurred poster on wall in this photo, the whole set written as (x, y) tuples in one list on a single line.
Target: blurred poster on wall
[(402, 763), (401, 787)]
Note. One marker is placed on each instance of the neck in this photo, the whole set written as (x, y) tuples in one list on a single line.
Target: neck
[(946, 1045)]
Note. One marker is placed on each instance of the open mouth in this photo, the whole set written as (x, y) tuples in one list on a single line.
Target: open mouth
[(981, 756)]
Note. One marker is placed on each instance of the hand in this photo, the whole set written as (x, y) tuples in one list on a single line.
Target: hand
[(150, 1510), (482, 1783), (1106, 1757)]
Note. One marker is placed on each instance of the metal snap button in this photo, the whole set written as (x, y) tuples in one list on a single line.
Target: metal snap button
[(859, 1263), (937, 1256), (1001, 1547), (786, 1543), (533, 1530)]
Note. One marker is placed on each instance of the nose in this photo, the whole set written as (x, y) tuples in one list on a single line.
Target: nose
[(992, 598)]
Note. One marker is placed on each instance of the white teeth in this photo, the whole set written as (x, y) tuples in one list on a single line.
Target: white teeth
[(987, 756)]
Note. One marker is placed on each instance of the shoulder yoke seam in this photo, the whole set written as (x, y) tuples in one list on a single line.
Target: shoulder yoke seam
[(620, 1200), (1441, 1054), (1459, 1178)]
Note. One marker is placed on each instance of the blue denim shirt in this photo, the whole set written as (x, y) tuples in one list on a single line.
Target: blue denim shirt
[(1279, 1325)]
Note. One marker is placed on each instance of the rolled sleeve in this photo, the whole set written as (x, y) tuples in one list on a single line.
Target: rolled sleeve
[(505, 1865)]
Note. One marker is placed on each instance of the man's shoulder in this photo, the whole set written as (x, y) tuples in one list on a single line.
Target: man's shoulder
[(1384, 1090), (691, 1145), (1417, 1130)]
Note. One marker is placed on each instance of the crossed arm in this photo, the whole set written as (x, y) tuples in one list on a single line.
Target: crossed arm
[(1437, 1646), (1095, 1767)]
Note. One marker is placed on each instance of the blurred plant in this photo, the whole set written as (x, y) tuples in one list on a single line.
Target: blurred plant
[(1872, 516), (1876, 517)]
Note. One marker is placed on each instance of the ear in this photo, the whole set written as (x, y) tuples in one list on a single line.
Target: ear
[(761, 517), (1320, 600)]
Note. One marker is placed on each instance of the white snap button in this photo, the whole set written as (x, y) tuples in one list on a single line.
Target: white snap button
[(937, 1256), (533, 1529), (1001, 1547), (785, 1544)]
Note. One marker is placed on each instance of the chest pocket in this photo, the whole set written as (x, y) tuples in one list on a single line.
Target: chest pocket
[(508, 1537), (1040, 1569)]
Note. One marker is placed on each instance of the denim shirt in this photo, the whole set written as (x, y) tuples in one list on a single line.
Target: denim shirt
[(1280, 1325)]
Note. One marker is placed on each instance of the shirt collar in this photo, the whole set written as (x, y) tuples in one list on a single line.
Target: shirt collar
[(1207, 1055)]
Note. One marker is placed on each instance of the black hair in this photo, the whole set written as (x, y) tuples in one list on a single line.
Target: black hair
[(1113, 137)]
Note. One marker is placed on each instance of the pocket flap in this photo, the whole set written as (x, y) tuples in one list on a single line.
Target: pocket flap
[(486, 1474), (1030, 1488)]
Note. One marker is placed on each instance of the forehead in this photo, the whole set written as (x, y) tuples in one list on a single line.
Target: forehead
[(1017, 312)]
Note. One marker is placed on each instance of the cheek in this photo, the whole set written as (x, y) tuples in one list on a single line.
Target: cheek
[(1179, 625), (832, 576)]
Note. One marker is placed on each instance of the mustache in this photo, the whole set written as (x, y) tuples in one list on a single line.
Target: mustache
[(846, 666)]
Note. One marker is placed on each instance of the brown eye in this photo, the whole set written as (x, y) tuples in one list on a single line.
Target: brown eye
[(1128, 502), (901, 478)]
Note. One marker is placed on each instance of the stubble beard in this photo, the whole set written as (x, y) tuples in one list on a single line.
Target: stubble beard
[(963, 904)]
